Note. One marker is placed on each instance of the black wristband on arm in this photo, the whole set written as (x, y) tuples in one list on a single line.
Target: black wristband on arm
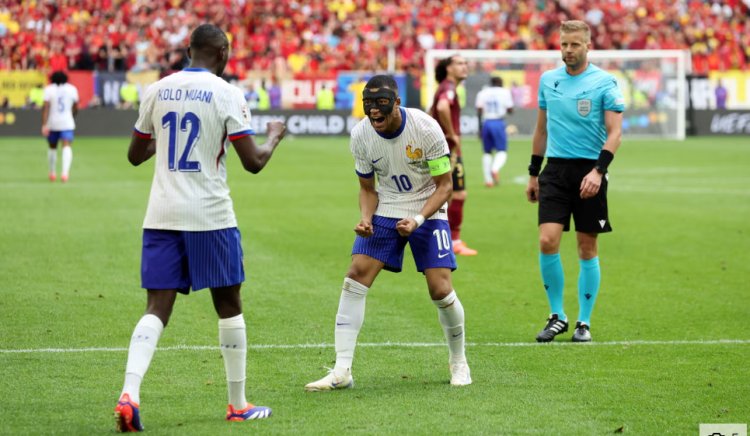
[(535, 167), (605, 158)]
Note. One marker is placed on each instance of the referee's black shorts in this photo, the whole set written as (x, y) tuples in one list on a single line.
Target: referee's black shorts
[(560, 196)]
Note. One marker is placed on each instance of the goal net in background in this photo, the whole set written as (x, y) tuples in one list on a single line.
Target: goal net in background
[(652, 82)]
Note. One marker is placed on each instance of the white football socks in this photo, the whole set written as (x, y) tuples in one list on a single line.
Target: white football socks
[(142, 346), (487, 167), (451, 316), (67, 159), (52, 160), (349, 320), (233, 341), (499, 161)]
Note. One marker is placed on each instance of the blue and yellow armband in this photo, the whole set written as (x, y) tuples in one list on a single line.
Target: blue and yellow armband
[(439, 166)]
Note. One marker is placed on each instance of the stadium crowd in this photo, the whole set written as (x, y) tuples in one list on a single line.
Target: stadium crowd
[(296, 36)]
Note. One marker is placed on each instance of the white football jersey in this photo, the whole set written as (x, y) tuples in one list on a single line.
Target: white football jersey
[(494, 102), (403, 177), (61, 99), (191, 114)]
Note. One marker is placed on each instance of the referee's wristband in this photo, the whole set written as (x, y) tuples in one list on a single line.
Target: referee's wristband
[(419, 219), (605, 158), (535, 167)]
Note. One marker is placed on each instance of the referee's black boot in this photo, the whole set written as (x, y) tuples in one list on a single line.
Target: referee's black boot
[(554, 327)]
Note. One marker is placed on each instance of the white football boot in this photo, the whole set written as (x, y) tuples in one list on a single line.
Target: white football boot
[(460, 374), (331, 382)]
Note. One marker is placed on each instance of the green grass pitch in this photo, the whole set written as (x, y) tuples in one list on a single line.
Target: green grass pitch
[(671, 349)]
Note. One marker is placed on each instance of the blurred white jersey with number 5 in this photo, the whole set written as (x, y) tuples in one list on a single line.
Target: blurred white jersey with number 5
[(61, 99)]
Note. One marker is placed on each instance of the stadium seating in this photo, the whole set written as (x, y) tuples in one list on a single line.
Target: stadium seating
[(327, 36)]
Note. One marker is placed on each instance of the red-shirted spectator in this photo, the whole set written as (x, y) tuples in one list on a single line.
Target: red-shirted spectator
[(265, 31)]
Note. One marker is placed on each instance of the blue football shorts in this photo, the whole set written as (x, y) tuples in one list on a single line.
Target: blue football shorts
[(56, 135), (494, 136), (430, 244), (173, 259)]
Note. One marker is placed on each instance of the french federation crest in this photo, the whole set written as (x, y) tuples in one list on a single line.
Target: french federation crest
[(584, 107), (413, 153)]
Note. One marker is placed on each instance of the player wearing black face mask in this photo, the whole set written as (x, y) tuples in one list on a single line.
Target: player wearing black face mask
[(401, 158), (378, 104)]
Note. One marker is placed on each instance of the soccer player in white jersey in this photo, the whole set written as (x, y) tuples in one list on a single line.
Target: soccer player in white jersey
[(190, 236), (58, 123), (493, 104), (405, 151)]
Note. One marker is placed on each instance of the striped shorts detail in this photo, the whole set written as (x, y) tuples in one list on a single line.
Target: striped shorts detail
[(181, 260)]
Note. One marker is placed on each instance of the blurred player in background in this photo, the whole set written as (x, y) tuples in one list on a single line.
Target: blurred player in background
[(58, 122), (446, 109), (493, 104), (579, 126), (409, 154), (190, 236)]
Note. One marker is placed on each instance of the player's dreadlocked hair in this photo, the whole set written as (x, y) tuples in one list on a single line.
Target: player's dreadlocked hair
[(59, 78), (441, 69)]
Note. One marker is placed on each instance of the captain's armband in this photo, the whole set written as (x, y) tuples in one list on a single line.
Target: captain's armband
[(439, 166)]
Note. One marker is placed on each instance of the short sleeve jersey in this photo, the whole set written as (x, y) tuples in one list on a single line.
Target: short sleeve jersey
[(447, 90), (61, 99), (191, 114), (400, 162), (575, 108), (494, 102)]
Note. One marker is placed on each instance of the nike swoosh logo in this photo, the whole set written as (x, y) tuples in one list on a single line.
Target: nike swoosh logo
[(440, 256), (342, 323), (376, 160)]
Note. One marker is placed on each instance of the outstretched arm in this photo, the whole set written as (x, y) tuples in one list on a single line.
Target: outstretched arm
[(255, 157)]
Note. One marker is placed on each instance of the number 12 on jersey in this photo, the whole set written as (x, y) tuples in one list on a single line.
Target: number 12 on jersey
[(171, 121)]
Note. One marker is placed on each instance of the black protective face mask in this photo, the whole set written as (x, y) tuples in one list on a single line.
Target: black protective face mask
[(370, 100)]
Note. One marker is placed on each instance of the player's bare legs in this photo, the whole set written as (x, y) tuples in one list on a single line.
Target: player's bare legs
[(227, 301), (451, 316), (456, 218), (364, 269), (160, 303), (349, 319)]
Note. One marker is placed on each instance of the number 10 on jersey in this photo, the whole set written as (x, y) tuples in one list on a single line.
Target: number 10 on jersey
[(171, 121)]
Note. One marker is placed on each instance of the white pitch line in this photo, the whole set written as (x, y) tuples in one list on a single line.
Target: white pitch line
[(382, 345)]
